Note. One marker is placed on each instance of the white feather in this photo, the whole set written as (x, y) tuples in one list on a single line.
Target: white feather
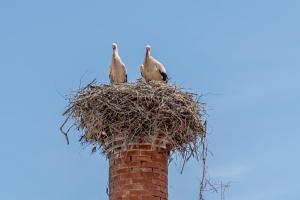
[(152, 69), (117, 69)]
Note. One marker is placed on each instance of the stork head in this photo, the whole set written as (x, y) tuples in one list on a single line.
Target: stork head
[(114, 46), (148, 48)]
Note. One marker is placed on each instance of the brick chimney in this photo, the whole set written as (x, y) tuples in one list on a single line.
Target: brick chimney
[(139, 172)]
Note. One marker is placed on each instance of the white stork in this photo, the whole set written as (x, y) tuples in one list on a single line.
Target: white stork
[(117, 69), (152, 69)]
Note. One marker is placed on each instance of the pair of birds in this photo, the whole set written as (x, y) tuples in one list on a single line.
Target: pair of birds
[(151, 69)]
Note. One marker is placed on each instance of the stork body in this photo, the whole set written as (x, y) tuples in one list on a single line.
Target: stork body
[(152, 69), (117, 69)]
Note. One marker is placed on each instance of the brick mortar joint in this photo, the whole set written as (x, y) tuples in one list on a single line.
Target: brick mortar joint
[(120, 144)]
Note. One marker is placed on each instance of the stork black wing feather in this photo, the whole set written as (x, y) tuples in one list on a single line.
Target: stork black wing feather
[(164, 75)]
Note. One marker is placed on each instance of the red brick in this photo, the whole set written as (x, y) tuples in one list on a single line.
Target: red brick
[(139, 173)]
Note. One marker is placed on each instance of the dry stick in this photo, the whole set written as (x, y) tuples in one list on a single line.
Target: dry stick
[(62, 131), (204, 167)]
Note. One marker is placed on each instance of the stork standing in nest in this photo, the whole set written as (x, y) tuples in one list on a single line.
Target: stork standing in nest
[(152, 69), (117, 69)]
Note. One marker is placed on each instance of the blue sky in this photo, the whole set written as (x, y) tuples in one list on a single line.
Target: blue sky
[(243, 56)]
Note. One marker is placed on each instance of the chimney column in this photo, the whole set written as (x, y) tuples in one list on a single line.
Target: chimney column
[(139, 172)]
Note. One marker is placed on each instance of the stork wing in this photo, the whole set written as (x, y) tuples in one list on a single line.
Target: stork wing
[(110, 75), (142, 71), (164, 75), (162, 70), (125, 72)]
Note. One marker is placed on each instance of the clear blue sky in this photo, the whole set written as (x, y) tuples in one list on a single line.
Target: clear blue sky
[(243, 56)]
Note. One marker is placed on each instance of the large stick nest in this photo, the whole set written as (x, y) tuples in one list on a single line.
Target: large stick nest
[(137, 110)]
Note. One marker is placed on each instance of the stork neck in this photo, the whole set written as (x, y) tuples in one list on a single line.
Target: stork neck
[(115, 54), (147, 56), (148, 53)]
